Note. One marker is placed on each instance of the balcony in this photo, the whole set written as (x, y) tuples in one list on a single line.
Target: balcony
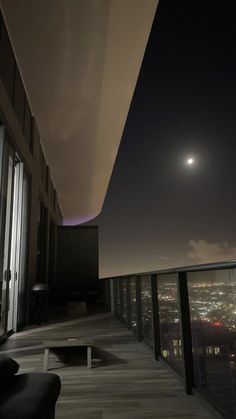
[(187, 318), (166, 349), (125, 381)]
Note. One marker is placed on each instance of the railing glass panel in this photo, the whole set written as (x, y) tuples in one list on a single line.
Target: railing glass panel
[(116, 296), (212, 298), (124, 297), (170, 335), (133, 307), (146, 299)]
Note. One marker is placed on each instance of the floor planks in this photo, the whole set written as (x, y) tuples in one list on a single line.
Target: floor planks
[(124, 383)]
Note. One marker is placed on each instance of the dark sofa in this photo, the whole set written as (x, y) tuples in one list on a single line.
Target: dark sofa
[(26, 396)]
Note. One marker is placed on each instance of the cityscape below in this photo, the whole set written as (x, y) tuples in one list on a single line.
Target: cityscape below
[(212, 305)]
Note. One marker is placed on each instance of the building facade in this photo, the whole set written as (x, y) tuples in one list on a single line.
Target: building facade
[(29, 208), (76, 65)]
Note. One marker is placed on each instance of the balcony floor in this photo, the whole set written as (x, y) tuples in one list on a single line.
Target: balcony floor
[(125, 382)]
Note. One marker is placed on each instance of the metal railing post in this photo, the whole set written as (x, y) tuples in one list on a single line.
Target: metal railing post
[(128, 301), (121, 297), (112, 296)]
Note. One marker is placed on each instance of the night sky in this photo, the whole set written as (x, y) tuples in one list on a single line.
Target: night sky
[(159, 212)]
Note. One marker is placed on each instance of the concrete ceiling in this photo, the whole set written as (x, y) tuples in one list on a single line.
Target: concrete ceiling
[(79, 60)]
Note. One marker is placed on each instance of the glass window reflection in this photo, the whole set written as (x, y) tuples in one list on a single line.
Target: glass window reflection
[(146, 299), (212, 299), (169, 320)]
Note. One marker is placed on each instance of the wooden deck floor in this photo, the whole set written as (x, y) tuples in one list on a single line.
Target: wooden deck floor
[(125, 382)]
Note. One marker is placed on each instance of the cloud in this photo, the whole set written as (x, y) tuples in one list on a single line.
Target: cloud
[(202, 251)]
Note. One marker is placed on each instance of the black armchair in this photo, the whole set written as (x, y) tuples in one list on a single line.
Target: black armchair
[(26, 396)]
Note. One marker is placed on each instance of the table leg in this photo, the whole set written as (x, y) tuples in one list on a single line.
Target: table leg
[(89, 356), (45, 362)]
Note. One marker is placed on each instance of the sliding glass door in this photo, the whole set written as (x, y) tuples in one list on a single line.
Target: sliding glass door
[(6, 195), (14, 192), (22, 266), (18, 247), (15, 244)]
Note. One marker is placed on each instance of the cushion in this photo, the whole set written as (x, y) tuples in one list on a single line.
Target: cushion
[(30, 396), (8, 368)]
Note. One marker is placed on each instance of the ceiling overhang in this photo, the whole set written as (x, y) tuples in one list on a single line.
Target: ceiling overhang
[(79, 61)]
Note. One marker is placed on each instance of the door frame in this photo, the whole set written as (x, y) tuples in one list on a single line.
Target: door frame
[(8, 151), (15, 247)]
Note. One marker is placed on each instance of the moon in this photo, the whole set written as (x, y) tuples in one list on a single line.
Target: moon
[(190, 161)]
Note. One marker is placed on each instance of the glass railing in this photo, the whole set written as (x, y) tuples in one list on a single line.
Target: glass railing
[(124, 300), (133, 305), (170, 335), (146, 310), (187, 316)]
